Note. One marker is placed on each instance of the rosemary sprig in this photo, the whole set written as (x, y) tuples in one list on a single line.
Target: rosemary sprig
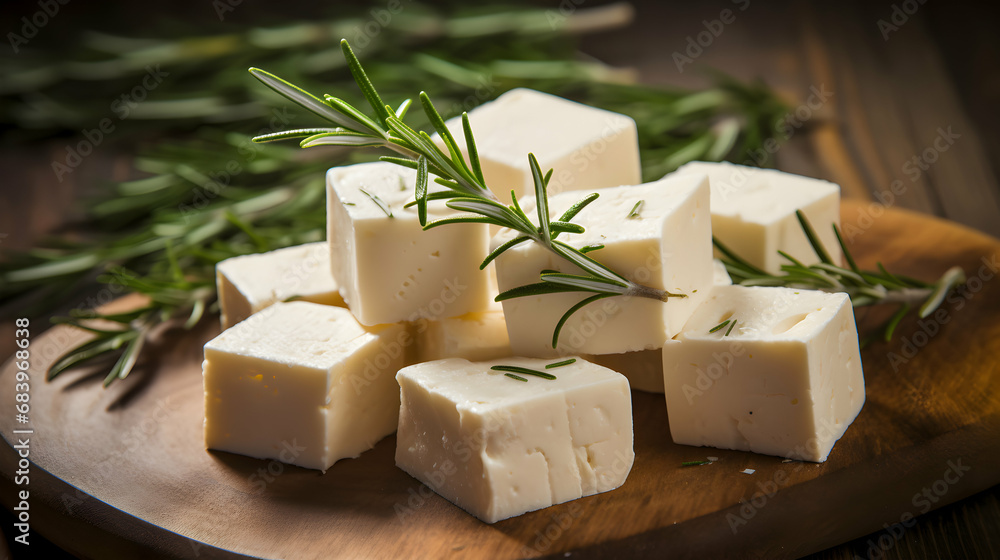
[(865, 287), (465, 188)]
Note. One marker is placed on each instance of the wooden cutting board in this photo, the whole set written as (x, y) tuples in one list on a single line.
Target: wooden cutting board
[(123, 471)]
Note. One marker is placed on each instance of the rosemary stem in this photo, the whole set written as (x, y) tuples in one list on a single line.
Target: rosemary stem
[(906, 295), (639, 290)]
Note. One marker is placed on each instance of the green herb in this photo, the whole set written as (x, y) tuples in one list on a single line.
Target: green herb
[(589, 248), (561, 364), (378, 202), (465, 191), (130, 224), (694, 463), (718, 327), (865, 287), (524, 371), (634, 212), (517, 377), (730, 329)]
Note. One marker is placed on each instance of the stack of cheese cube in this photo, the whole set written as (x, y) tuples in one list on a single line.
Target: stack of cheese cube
[(393, 328)]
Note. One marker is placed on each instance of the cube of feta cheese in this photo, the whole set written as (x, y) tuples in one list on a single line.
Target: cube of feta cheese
[(665, 244), (587, 148), (785, 381), (721, 275), (388, 268), (476, 336), (644, 369), (249, 283), (498, 447), (303, 383), (753, 212)]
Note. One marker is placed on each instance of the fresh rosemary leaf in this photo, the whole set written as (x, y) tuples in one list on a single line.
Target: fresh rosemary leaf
[(537, 289), (634, 212), (560, 364), (361, 78), (586, 283), (730, 329), (951, 279), (421, 190), (588, 248), (541, 199), (719, 327), (501, 248), (350, 112), (524, 371), (569, 313), (304, 99), (378, 202), (299, 133), (694, 463), (344, 138), (571, 213), (817, 245), (515, 376), (890, 327), (470, 146)]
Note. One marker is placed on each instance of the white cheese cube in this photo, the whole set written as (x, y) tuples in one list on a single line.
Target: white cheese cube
[(666, 245), (498, 447), (249, 283), (303, 383), (785, 381), (388, 268), (476, 336), (753, 212), (720, 275), (586, 147)]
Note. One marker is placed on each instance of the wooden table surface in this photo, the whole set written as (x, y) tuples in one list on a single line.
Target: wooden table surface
[(897, 102)]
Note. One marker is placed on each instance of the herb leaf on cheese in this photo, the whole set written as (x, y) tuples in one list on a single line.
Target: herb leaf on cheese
[(865, 287), (466, 189), (130, 222)]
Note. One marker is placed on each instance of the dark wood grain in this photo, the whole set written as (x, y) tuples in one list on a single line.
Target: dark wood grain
[(136, 454)]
